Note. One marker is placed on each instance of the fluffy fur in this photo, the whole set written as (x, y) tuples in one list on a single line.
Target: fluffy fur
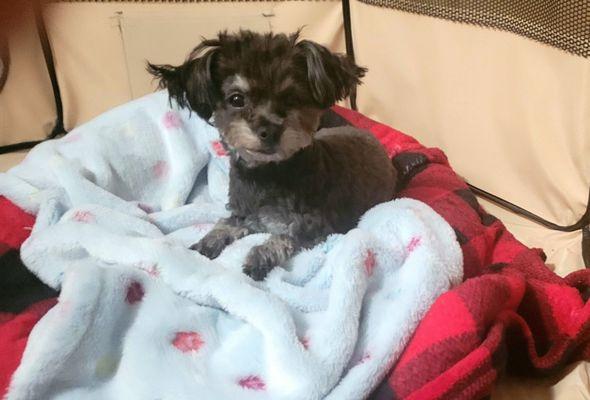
[(266, 94)]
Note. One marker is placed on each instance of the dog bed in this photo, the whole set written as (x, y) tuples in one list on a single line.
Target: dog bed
[(510, 309)]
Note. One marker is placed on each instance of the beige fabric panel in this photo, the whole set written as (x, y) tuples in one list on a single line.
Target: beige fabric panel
[(184, 25), (27, 110), (572, 384), (513, 115), (101, 48), (89, 58), (9, 160)]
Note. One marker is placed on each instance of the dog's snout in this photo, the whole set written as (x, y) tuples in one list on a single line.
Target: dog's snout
[(269, 132)]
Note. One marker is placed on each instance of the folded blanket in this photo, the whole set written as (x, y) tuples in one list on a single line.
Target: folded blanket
[(119, 200)]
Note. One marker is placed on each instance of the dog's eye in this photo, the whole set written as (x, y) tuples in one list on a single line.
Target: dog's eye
[(236, 100)]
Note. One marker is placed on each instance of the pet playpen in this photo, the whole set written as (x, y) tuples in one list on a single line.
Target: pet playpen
[(502, 87)]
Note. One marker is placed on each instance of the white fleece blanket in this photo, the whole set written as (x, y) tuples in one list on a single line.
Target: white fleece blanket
[(140, 316)]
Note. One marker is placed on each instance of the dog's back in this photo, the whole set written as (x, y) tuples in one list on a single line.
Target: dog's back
[(359, 173)]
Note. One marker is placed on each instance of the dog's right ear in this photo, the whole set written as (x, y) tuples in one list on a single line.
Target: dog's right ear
[(191, 84), (331, 77)]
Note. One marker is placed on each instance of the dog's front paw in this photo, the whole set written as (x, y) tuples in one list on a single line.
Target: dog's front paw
[(259, 262), (213, 243), (261, 259)]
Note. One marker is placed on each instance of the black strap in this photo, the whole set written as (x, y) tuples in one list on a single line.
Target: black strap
[(582, 224), (58, 128), (349, 43), (10, 148)]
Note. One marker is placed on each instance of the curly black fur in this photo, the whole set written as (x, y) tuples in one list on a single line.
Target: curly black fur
[(267, 93)]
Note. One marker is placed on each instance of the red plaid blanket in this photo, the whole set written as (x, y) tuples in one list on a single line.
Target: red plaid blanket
[(510, 311)]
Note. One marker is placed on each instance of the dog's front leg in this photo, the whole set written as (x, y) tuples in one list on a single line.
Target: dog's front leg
[(225, 232), (261, 259)]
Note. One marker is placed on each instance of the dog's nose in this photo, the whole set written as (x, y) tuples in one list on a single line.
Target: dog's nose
[(269, 133), (263, 133)]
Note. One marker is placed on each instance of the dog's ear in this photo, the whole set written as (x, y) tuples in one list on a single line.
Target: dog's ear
[(191, 84), (332, 77)]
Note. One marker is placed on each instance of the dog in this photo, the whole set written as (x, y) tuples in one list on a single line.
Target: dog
[(266, 93)]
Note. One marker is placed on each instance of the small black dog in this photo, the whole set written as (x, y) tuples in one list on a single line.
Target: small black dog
[(266, 94)]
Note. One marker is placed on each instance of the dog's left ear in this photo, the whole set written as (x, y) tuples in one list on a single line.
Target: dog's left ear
[(332, 77)]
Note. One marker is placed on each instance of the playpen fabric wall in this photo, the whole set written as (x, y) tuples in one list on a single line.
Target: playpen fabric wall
[(512, 114)]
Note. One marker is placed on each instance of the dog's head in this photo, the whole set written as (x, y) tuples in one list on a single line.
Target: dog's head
[(266, 92)]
